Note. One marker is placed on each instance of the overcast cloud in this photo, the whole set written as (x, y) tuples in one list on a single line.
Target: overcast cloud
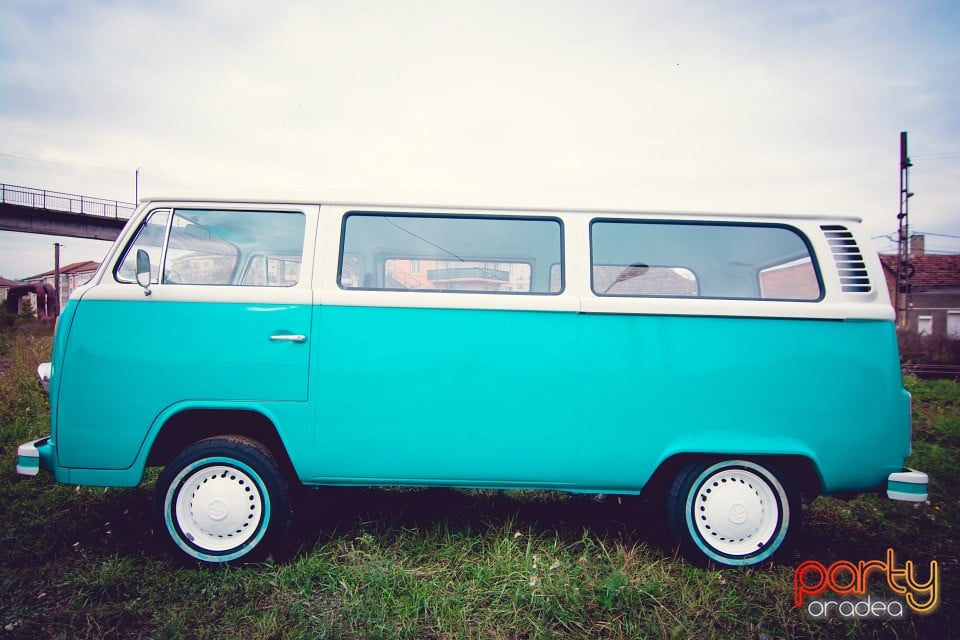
[(722, 106)]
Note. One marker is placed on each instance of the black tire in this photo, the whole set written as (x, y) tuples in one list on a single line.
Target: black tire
[(223, 499), (734, 513)]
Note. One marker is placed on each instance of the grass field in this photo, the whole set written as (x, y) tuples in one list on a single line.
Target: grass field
[(81, 562)]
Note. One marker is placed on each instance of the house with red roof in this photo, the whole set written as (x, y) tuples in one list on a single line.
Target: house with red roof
[(933, 290), (72, 276), (5, 286)]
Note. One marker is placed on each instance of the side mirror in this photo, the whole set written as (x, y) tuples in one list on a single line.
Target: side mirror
[(143, 271)]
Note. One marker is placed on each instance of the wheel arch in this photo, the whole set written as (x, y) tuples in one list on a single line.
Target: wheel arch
[(191, 425), (801, 471)]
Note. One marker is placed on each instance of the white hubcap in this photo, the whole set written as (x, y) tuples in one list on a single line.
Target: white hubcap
[(735, 511), (218, 508)]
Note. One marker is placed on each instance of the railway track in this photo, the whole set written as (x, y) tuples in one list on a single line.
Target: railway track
[(933, 371)]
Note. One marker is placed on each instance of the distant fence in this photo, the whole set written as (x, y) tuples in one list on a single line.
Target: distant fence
[(67, 202)]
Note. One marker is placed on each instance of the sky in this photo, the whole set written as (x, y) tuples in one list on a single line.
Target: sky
[(740, 106)]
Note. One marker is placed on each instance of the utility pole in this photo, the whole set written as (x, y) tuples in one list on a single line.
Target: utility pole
[(136, 187), (56, 273), (904, 268)]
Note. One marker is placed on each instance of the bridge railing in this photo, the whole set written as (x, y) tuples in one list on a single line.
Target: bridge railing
[(68, 202)]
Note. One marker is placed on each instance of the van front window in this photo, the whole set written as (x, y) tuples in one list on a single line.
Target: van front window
[(218, 247), (196, 256), (150, 237)]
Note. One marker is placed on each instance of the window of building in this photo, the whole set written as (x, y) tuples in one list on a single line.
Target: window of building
[(953, 324), (925, 325)]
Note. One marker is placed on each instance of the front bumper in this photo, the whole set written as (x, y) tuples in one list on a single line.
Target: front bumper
[(908, 485), (31, 456)]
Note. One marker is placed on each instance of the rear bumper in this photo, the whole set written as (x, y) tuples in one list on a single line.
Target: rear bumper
[(32, 456), (908, 485)]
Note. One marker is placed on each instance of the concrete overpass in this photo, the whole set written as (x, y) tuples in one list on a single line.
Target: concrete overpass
[(31, 210)]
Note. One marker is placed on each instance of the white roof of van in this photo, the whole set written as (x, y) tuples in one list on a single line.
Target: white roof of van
[(539, 210)]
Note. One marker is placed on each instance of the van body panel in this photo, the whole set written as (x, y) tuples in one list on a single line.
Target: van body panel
[(655, 386), (465, 396), (138, 359), (60, 339), (295, 418)]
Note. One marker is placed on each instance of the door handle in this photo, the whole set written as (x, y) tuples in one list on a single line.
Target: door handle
[(289, 337)]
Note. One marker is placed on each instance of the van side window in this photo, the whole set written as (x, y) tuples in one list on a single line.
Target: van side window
[(195, 255), (643, 280), (150, 238), (722, 260), (212, 247), (792, 281), (389, 251), (272, 271), (245, 248)]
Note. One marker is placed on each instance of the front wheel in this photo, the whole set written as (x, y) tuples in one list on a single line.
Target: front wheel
[(223, 499), (733, 513)]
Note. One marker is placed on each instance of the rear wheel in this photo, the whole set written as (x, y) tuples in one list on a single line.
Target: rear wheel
[(223, 499), (733, 513)]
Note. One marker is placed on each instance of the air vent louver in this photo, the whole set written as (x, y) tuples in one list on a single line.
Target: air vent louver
[(850, 264)]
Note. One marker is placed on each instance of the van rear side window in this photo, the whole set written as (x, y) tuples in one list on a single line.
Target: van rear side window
[(451, 254), (722, 260)]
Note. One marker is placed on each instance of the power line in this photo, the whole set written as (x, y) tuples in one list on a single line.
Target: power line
[(937, 235), (892, 235), (25, 156), (946, 155)]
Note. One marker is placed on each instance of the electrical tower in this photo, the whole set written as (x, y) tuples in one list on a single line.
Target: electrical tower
[(904, 268)]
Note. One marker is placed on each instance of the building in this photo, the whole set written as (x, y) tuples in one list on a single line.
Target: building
[(5, 286), (451, 275), (933, 289), (72, 276)]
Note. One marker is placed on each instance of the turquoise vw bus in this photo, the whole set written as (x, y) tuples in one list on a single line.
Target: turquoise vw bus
[(728, 366)]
